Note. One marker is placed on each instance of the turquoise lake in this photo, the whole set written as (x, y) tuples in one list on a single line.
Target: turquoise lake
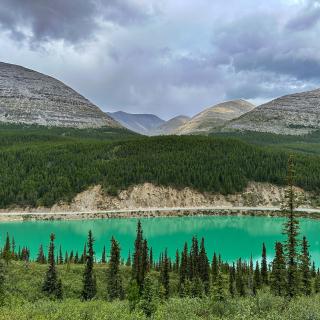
[(232, 237)]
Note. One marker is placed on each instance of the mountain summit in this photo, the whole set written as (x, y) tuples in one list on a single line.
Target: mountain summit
[(214, 117), (294, 114), (30, 97)]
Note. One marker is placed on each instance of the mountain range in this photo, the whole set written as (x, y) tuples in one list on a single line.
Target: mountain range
[(30, 97)]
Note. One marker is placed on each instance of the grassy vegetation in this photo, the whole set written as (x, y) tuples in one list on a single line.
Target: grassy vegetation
[(25, 300)]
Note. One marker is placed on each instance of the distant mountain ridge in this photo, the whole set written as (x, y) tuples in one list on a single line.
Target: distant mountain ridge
[(30, 97), (171, 126), (140, 123), (215, 117), (294, 114)]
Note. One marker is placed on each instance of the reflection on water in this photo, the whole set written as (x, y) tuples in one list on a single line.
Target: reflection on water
[(233, 237)]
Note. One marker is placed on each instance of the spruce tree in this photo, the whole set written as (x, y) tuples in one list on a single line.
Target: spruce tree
[(204, 267), (305, 268), (137, 266), (240, 282), (89, 282), (183, 269), (2, 282), (49, 286), (177, 262), (278, 273), (60, 260), (103, 257), (114, 281), (214, 267), (232, 278), (151, 258), (264, 266), (256, 279), (128, 262), (219, 287), (291, 230), (164, 275), (41, 257), (6, 253), (147, 302)]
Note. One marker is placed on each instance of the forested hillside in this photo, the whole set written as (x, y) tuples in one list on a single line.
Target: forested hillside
[(42, 167)]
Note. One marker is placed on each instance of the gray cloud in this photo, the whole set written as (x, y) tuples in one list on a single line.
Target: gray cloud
[(167, 57), (72, 20)]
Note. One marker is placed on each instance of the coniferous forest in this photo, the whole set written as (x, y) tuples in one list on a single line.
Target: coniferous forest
[(41, 166)]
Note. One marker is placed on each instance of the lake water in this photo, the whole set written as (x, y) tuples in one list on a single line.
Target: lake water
[(233, 237)]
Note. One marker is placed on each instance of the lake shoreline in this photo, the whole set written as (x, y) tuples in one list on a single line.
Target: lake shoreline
[(60, 216)]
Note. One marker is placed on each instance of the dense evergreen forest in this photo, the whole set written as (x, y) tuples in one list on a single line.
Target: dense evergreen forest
[(41, 166)]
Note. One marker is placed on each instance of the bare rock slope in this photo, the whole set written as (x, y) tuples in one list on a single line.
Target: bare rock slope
[(214, 117), (294, 114), (30, 97)]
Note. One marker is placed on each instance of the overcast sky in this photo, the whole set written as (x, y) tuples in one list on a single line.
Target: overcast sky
[(167, 57)]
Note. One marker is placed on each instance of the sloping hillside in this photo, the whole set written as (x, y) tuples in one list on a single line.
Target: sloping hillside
[(30, 97), (214, 117), (294, 114)]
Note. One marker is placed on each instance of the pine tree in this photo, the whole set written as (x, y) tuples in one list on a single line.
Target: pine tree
[(240, 283), (232, 278), (145, 258), (204, 267), (128, 263), (50, 282), (183, 269), (151, 258), (6, 253), (264, 266), (41, 257), (219, 287), (305, 268), (256, 279), (147, 303), (103, 257), (278, 273), (59, 291), (291, 230), (60, 260), (89, 282), (177, 262), (114, 281), (214, 267), (2, 282), (164, 275), (137, 266)]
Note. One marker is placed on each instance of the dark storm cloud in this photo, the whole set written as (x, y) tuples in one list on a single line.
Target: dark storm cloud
[(69, 20)]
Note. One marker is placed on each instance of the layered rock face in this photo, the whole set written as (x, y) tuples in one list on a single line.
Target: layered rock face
[(214, 117), (294, 114), (29, 97)]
